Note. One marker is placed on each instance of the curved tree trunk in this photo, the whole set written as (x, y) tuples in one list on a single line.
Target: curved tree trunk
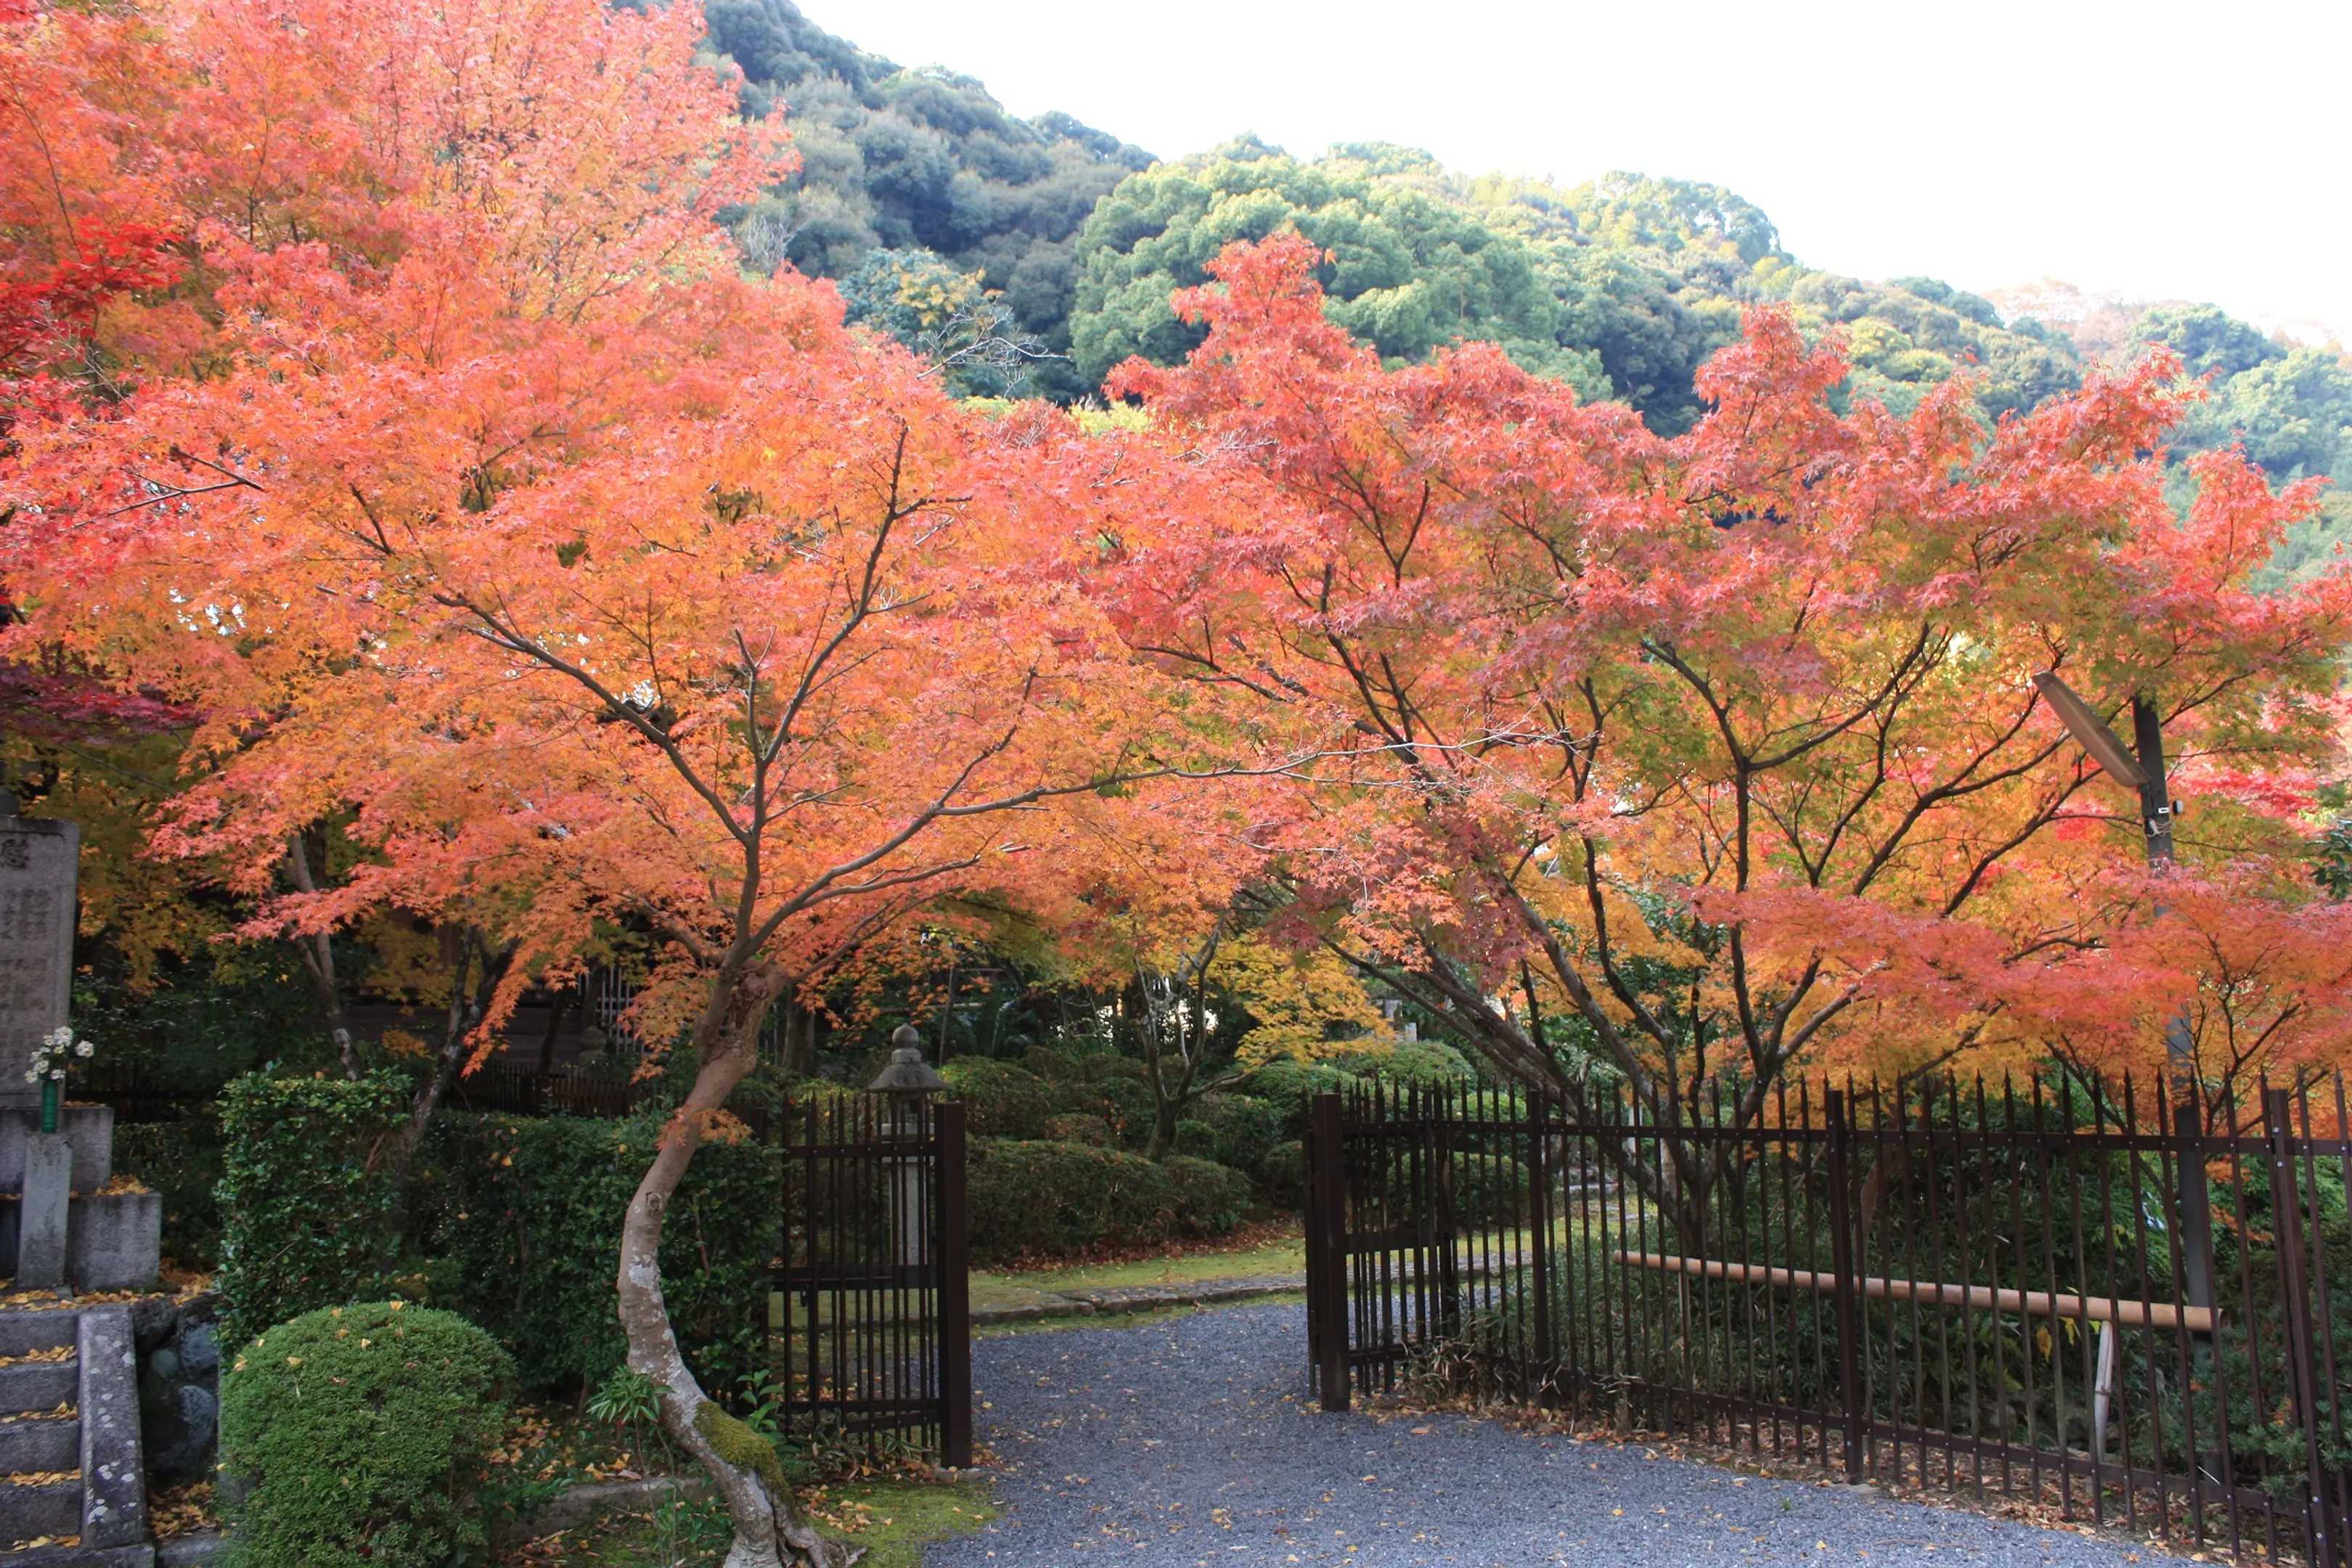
[(742, 1465)]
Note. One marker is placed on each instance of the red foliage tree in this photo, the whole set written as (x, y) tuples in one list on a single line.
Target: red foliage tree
[(1716, 754)]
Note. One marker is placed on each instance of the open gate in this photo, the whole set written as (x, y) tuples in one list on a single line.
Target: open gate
[(869, 1319)]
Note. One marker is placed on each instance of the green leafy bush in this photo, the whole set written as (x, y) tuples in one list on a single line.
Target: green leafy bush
[(1047, 1063), (1124, 1104), (1244, 1131), (307, 1213), (1002, 1101), (360, 1433), (1097, 1067), (181, 1160), (1077, 1127), (529, 1209), (1195, 1138), (1051, 1198)]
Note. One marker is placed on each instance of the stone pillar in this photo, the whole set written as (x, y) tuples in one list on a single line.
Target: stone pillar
[(38, 865), (41, 1218)]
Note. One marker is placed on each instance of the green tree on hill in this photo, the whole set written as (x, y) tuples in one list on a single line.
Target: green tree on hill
[(2289, 407), (1408, 271), (1912, 334), (903, 160)]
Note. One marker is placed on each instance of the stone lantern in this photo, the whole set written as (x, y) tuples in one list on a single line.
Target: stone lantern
[(908, 1082)]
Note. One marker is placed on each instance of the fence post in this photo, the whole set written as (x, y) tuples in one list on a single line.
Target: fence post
[(1841, 1263), (2286, 1216), (1537, 1258), (955, 1292), (2196, 1205), (1326, 1261)]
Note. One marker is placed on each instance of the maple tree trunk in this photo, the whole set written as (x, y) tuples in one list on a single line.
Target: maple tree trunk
[(317, 952), (768, 1533)]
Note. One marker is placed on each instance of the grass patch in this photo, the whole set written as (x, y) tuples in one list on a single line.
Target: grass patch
[(1142, 1320), (1279, 1254)]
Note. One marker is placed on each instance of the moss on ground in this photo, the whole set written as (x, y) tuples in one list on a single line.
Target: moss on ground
[(893, 1520)]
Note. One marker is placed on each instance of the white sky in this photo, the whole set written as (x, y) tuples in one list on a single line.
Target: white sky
[(2148, 148)]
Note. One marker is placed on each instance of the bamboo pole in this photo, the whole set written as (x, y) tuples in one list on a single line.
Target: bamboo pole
[(2131, 1314)]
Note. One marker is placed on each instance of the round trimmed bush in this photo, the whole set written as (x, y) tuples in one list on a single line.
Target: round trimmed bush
[(1079, 1128), (1046, 1063), (1246, 1129), (1001, 1101), (359, 1433), (1123, 1103), (1195, 1138)]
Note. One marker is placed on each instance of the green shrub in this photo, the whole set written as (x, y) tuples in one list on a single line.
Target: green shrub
[(1001, 1101), (1195, 1138), (1079, 1128), (1125, 1104), (1046, 1063), (1204, 1197), (1098, 1067), (1051, 1198), (1246, 1131), (307, 1213), (530, 1210), (1288, 1086), (362, 1432), (181, 1160)]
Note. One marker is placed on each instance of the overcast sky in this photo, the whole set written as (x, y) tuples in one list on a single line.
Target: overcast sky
[(2149, 149)]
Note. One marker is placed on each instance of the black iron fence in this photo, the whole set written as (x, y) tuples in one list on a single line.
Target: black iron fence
[(2076, 1292), (870, 1325)]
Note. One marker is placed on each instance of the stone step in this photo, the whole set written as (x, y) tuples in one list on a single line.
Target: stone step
[(28, 1446), (37, 1385), (28, 1513), (21, 1333), (84, 1557)]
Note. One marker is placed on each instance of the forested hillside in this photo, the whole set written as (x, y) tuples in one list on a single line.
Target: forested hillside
[(947, 218)]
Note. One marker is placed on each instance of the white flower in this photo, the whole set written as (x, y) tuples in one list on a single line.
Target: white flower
[(32, 1075), (83, 1049), (59, 1074), (57, 1036)]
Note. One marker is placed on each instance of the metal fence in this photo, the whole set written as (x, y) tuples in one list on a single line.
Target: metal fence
[(870, 1325), (2073, 1292)]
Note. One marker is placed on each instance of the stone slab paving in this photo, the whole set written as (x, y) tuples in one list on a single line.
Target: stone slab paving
[(1193, 1441), (1020, 1304)]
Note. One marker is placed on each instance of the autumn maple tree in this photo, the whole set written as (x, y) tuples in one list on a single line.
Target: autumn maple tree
[(582, 579), (1700, 759)]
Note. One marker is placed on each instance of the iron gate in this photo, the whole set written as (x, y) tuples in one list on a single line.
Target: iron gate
[(870, 1319), (2071, 1292)]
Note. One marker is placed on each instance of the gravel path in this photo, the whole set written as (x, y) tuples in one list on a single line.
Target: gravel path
[(1193, 1443)]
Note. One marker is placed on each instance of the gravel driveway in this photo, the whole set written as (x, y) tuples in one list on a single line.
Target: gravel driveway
[(1194, 1442)]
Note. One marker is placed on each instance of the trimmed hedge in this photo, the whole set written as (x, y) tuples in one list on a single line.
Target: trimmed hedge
[(1077, 1127), (362, 1433), (309, 1215), (1244, 1132), (1002, 1101), (528, 1209), (1040, 1197)]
